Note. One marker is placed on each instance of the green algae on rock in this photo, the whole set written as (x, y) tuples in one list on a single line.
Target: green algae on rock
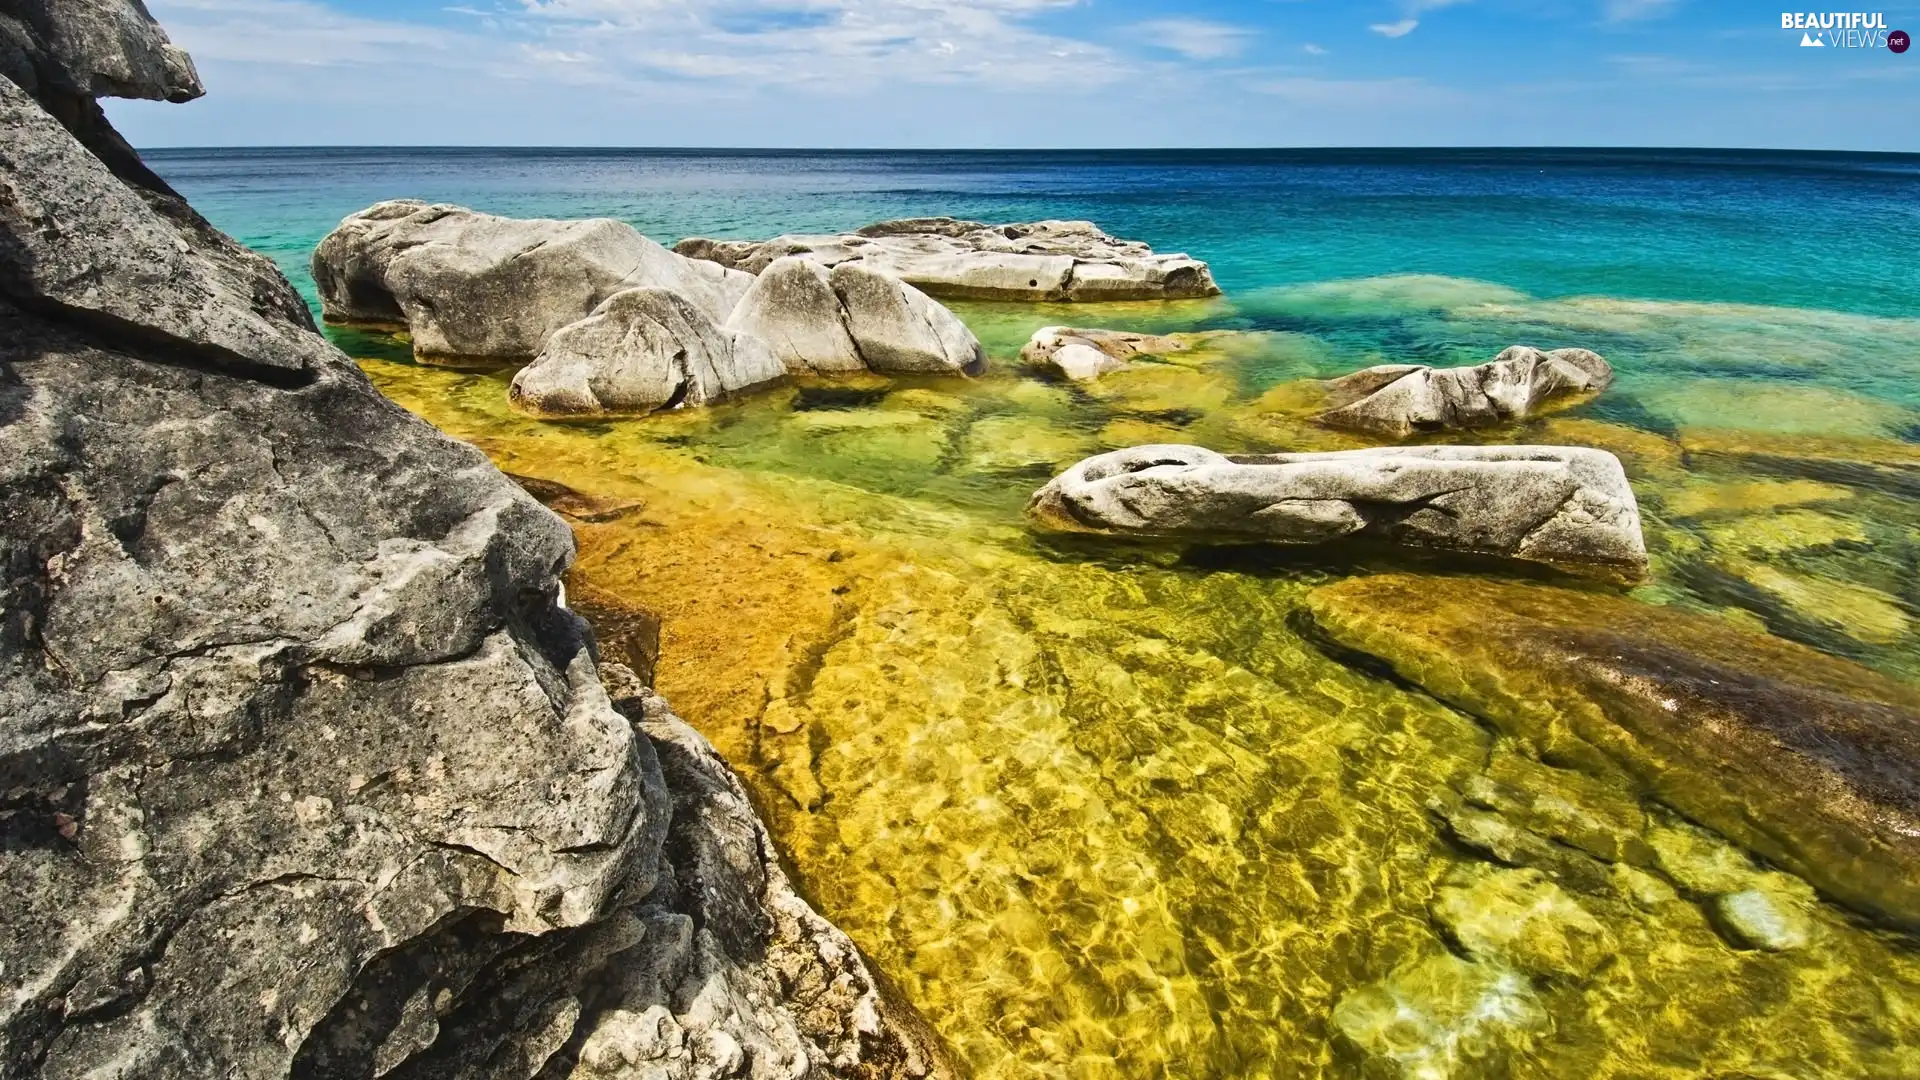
[(1109, 816), (1811, 761)]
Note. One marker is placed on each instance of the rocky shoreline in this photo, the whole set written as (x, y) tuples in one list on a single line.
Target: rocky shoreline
[(305, 769)]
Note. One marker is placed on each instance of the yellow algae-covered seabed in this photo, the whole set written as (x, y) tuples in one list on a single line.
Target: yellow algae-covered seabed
[(1110, 810)]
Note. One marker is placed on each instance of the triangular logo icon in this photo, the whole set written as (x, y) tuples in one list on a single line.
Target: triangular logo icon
[(1808, 41)]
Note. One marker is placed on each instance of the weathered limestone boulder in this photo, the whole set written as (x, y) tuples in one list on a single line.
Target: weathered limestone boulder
[(1058, 261), (793, 308), (1563, 505), (1401, 399), (898, 328), (1809, 761), (851, 318), (471, 286), (642, 350), (91, 49), (304, 770), (1082, 355)]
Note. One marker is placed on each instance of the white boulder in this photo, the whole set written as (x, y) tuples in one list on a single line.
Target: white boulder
[(641, 351), (1554, 504)]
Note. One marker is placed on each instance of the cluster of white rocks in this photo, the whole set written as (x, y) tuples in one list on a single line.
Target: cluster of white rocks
[(1055, 261), (608, 321)]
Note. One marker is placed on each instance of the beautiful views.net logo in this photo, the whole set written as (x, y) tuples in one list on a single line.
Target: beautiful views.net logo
[(1845, 30)]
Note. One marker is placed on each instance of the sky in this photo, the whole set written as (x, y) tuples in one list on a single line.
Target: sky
[(1025, 74)]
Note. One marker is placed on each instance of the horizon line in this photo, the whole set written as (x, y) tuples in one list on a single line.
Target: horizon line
[(1462, 147)]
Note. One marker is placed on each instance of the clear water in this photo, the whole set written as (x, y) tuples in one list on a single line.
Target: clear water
[(1106, 812)]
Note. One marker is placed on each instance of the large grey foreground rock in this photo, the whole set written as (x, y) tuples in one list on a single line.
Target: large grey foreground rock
[(1401, 399), (304, 772), (1043, 260), (1553, 504), (641, 351), (471, 286), (852, 318)]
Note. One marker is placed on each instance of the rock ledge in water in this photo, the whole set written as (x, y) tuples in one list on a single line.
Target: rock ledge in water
[(1554, 504), (1401, 399), (1061, 261)]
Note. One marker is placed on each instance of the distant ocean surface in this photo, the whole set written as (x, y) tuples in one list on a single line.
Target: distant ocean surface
[(1816, 230)]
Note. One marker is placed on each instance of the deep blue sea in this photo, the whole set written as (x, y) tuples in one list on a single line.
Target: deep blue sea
[(1817, 230)]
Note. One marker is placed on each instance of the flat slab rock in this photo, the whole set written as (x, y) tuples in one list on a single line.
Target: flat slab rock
[(1057, 261), (1568, 506), (1402, 399)]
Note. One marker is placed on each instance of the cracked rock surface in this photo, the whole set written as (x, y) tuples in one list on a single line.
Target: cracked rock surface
[(642, 350), (1058, 261), (304, 770), (1554, 504)]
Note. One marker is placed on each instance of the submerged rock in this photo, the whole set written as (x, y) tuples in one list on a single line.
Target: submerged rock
[(472, 286), (1521, 918), (304, 769), (1760, 919), (1401, 399), (641, 351), (1088, 354), (1551, 504), (1442, 1015), (1044, 260), (1806, 760)]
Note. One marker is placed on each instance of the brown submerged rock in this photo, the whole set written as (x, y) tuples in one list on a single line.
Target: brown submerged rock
[(305, 770), (1807, 760)]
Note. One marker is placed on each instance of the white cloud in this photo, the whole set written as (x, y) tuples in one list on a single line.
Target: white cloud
[(1412, 10), (1195, 39), (660, 45), (301, 32), (1313, 50)]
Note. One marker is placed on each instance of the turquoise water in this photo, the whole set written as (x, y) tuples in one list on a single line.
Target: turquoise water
[(1834, 231), (1111, 814)]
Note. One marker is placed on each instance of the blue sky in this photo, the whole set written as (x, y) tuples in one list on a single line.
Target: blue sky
[(1025, 73)]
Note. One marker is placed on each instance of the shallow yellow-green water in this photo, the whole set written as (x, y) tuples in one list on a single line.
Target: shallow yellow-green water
[(1104, 811)]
